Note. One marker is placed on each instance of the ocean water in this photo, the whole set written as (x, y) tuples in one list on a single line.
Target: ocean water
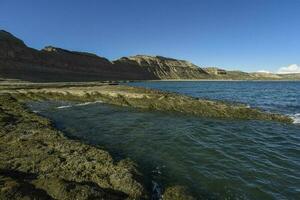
[(215, 159), (273, 96)]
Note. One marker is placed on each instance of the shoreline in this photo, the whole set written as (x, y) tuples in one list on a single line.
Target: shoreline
[(140, 98), (32, 147), (217, 80)]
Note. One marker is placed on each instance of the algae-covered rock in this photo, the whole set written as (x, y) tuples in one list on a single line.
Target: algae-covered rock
[(69, 190), (17, 186), (60, 167), (153, 100), (177, 193)]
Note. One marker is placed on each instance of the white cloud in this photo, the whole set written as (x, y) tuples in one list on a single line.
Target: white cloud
[(291, 69), (264, 71)]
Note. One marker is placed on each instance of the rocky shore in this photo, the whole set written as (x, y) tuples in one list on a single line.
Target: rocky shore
[(141, 98), (39, 162)]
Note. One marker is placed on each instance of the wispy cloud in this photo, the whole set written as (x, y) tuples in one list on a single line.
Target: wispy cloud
[(264, 71), (291, 69)]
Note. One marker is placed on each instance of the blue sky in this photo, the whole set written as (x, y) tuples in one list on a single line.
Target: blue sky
[(249, 35)]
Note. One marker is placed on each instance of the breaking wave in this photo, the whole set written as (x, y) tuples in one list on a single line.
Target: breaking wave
[(62, 107), (296, 118), (79, 104)]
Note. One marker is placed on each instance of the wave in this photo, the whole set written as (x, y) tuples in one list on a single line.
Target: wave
[(79, 104), (88, 103), (61, 107), (296, 118)]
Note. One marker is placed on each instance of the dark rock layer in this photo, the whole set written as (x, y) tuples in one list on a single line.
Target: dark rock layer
[(55, 64)]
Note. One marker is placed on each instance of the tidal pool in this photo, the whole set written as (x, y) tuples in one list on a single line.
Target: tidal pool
[(215, 159)]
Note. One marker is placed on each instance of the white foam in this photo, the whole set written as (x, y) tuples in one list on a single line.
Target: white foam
[(62, 107), (88, 103), (79, 104), (296, 118)]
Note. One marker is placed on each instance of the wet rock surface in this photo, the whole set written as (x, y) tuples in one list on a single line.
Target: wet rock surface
[(38, 162), (146, 99), (177, 193)]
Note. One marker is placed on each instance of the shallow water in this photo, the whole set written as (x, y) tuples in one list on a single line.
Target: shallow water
[(274, 96), (216, 159)]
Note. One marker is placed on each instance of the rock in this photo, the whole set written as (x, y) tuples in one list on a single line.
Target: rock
[(35, 158), (214, 70), (69, 190), (177, 193), (164, 68), (17, 186)]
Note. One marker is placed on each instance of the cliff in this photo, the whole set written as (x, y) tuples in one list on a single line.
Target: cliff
[(17, 61), (221, 74), (52, 64), (164, 68)]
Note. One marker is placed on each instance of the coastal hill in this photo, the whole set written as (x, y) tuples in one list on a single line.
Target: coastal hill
[(18, 61), (163, 68), (217, 73)]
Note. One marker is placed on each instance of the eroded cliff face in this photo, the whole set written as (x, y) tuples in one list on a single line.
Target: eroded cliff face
[(164, 68), (56, 64), (52, 64)]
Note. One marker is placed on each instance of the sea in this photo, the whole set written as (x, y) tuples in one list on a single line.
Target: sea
[(212, 158)]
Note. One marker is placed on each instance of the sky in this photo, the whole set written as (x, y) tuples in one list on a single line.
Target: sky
[(249, 35)]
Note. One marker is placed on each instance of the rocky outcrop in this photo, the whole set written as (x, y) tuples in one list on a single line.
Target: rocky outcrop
[(38, 162), (164, 68), (214, 71), (177, 193), (140, 98), (55, 64), (218, 73)]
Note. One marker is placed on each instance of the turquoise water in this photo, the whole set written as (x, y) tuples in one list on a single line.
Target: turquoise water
[(215, 159)]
